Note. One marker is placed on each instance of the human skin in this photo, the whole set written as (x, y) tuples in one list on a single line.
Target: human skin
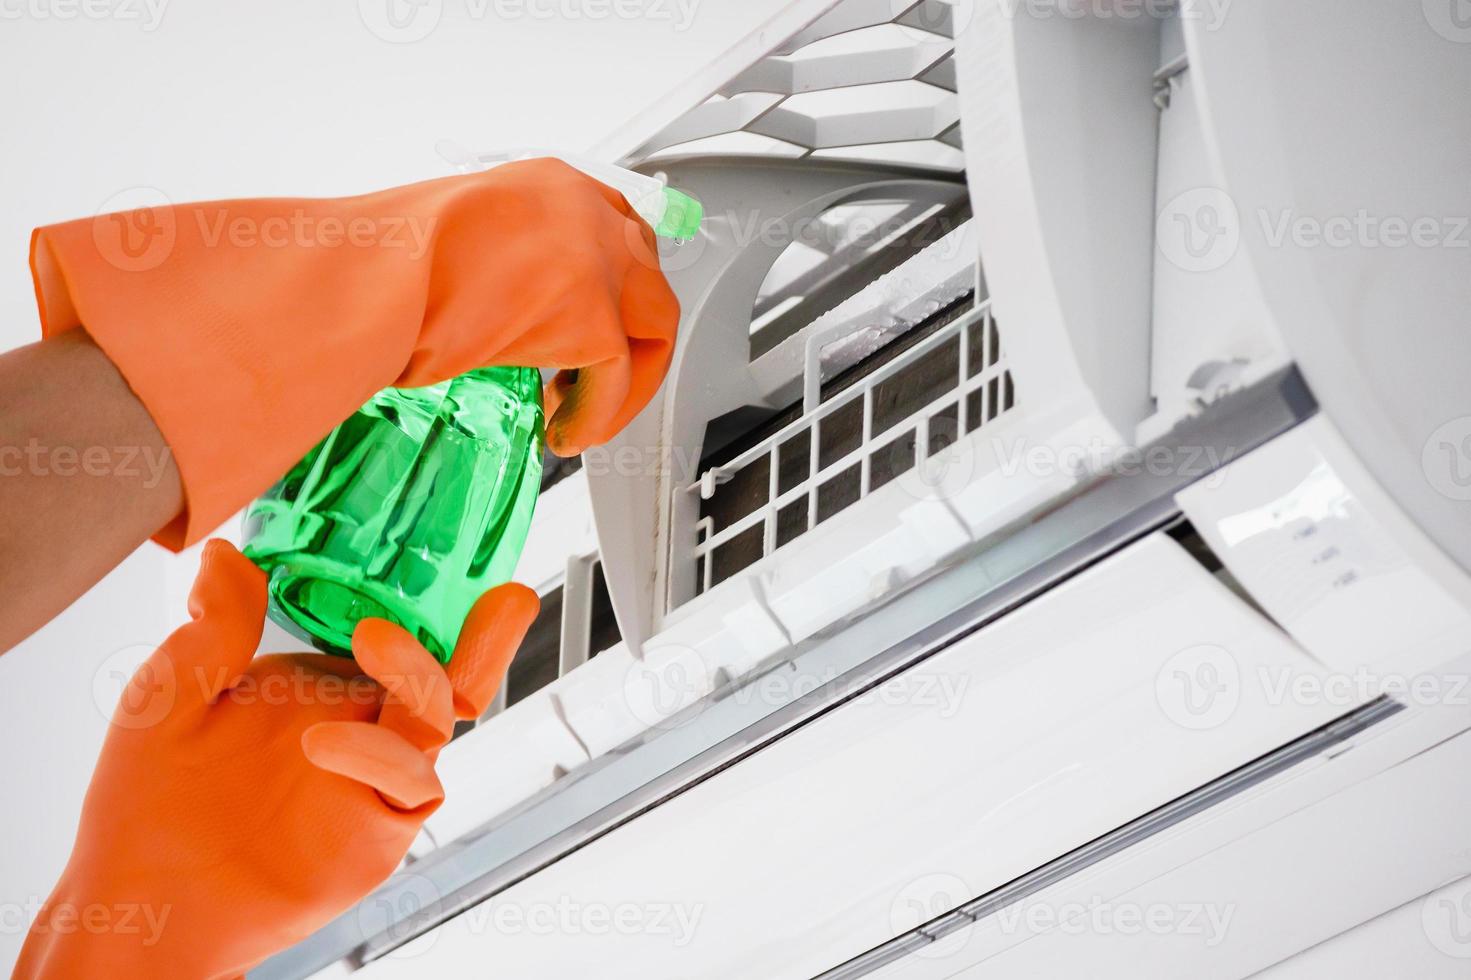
[(85, 477)]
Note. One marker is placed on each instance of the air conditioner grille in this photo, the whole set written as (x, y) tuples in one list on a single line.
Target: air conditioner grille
[(869, 79), (867, 431)]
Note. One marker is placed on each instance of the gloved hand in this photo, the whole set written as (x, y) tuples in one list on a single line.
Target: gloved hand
[(240, 803), (250, 328)]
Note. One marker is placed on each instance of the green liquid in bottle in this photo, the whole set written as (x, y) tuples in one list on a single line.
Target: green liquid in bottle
[(408, 511)]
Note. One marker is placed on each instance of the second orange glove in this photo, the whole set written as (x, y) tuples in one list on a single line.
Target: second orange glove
[(240, 802)]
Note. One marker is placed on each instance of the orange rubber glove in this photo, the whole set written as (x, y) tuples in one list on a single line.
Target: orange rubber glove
[(242, 802), (250, 328)]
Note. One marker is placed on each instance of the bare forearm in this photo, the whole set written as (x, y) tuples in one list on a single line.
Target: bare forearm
[(85, 477)]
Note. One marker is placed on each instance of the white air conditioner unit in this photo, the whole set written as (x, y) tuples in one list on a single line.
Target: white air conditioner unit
[(1046, 510)]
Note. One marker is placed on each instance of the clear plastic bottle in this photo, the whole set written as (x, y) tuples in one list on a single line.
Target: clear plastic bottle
[(408, 511)]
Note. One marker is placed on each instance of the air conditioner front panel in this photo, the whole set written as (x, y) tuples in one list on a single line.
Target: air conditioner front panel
[(1305, 858), (1028, 738)]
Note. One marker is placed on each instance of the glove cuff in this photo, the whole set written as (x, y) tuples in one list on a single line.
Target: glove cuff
[(245, 353)]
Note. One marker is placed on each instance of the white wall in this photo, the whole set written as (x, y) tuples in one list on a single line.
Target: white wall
[(273, 97)]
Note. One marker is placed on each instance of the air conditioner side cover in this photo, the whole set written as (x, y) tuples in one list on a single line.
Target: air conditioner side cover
[(1332, 153)]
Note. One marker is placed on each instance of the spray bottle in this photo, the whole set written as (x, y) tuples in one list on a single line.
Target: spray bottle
[(422, 499)]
